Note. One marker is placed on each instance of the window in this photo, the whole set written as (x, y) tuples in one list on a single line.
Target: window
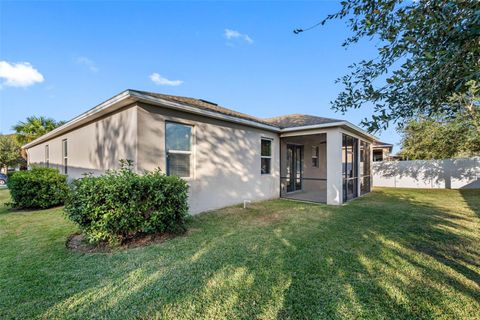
[(377, 155), (179, 149), (266, 156), (65, 156), (315, 154), (47, 157)]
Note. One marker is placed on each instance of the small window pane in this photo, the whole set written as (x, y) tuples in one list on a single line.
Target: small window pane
[(178, 164), (266, 165), (179, 137), (315, 154), (266, 148), (47, 157), (65, 151), (65, 166)]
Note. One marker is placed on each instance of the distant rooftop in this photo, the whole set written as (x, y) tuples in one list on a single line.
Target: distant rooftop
[(377, 143)]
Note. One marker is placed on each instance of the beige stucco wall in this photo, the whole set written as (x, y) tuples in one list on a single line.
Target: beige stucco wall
[(95, 147), (226, 158)]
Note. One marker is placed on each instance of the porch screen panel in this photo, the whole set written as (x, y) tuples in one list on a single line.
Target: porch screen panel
[(350, 167), (365, 168)]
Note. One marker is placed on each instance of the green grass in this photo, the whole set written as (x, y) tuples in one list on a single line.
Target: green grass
[(393, 254)]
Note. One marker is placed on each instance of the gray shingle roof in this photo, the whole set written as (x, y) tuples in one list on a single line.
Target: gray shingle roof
[(287, 121), (204, 105)]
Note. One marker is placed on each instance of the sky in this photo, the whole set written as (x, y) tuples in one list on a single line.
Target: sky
[(59, 58)]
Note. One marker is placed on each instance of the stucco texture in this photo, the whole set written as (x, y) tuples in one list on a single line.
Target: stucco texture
[(94, 147), (225, 156)]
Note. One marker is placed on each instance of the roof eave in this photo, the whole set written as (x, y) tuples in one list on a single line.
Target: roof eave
[(131, 97), (331, 125), (82, 118)]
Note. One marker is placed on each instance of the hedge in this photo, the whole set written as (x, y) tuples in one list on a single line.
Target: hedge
[(122, 204), (38, 188)]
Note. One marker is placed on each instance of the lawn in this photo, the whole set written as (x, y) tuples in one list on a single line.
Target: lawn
[(395, 253)]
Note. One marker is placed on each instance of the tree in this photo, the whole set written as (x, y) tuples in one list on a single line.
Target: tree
[(440, 138), (34, 127), (428, 51), (9, 152)]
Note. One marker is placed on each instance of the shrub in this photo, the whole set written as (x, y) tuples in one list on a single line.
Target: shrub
[(37, 188), (122, 204)]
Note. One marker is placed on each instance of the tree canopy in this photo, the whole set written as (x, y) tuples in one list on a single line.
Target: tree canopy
[(437, 138), (10, 153), (428, 51), (34, 127)]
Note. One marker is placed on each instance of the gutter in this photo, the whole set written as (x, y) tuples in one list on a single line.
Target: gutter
[(331, 124)]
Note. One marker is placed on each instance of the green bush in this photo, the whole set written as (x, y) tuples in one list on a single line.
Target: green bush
[(37, 188), (122, 204)]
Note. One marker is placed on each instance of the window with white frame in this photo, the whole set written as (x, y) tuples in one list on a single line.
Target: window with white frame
[(178, 142), (65, 156), (47, 157), (315, 156), (266, 156)]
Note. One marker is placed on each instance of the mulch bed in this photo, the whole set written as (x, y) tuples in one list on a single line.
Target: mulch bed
[(77, 242)]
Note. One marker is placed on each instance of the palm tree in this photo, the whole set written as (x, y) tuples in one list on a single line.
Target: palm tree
[(34, 127)]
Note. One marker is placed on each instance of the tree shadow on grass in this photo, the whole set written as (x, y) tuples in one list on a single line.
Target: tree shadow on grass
[(388, 263), (472, 198), (387, 255)]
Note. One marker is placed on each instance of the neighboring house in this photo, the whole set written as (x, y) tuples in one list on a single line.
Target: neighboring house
[(226, 156), (381, 151)]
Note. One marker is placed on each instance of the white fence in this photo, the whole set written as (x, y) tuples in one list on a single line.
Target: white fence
[(439, 174)]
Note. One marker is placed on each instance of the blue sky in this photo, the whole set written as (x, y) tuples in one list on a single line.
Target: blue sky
[(69, 56)]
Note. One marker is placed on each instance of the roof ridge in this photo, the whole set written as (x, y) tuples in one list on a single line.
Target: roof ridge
[(302, 115), (287, 115)]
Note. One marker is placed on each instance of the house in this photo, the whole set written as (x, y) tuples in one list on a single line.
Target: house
[(381, 150), (226, 156)]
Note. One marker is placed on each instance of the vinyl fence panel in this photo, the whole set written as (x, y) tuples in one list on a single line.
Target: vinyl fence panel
[(433, 174)]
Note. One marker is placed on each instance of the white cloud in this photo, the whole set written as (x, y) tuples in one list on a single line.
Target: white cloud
[(21, 74), (87, 63), (231, 34), (158, 79), (248, 39), (234, 34)]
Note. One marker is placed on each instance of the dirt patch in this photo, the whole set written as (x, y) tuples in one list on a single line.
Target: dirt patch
[(77, 242)]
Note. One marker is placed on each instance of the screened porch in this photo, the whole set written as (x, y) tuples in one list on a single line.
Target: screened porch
[(303, 167)]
